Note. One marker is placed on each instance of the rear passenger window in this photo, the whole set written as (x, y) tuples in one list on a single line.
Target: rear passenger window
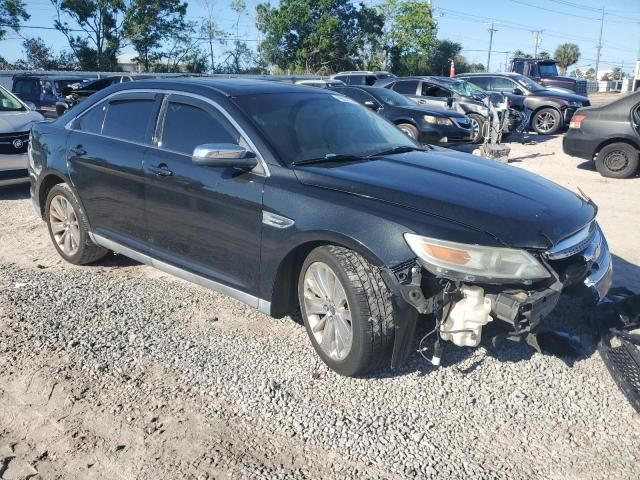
[(91, 122), (187, 126), (128, 119), (406, 87), (429, 90), (482, 82), (27, 86)]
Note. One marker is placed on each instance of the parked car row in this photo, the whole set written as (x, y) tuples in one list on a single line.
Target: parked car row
[(302, 199)]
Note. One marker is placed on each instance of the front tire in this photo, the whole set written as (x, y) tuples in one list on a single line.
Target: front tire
[(617, 160), (346, 309), (410, 130), (546, 121), (478, 125), (69, 227)]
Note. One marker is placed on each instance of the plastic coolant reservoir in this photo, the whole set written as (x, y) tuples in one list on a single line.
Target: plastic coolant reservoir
[(469, 314)]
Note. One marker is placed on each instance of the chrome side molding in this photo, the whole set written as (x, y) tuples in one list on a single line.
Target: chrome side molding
[(262, 305)]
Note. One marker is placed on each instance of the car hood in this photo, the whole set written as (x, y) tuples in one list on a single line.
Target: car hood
[(569, 97), (429, 111), (11, 122), (517, 207)]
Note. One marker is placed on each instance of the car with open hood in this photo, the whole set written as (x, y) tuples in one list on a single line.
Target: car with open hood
[(16, 119), (296, 199)]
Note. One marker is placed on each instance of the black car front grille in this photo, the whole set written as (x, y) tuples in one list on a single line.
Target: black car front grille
[(14, 143)]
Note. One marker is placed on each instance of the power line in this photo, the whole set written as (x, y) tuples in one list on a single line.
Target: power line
[(491, 31)]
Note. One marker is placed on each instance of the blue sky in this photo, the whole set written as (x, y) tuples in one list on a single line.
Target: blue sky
[(464, 21)]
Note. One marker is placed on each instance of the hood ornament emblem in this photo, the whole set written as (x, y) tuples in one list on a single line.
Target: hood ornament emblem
[(18, 144)]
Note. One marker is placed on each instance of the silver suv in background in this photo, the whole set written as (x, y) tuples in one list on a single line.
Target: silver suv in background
[(361, 77), (16, 119)]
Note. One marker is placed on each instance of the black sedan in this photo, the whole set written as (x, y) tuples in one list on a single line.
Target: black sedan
[(610, 134), (299, 199), (426, 125)]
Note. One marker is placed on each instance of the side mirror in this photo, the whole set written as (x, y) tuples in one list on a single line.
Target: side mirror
[(449, 102), (372, 105), (517, 91), (223, 155)]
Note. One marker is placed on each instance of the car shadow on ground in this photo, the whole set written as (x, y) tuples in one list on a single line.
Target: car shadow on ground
[(15, 192), (588, 165)]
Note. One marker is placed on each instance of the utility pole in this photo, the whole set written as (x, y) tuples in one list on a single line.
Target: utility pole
[(537, 42), (506, 61), (491, 30), (599, 46)]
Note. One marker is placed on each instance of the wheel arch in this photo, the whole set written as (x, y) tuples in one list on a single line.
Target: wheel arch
[(283, 296), (611, 141), (49, 181), (410, 121)]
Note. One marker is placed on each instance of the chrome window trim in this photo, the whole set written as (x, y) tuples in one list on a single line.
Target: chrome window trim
[(213, 103), (262, 305)]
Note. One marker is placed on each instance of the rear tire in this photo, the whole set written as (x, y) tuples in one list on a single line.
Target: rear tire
[(69, 227), (409, 129), (361, 301), (478, 124), (617, 160)]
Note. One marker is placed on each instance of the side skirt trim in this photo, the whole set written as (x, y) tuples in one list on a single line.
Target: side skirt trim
[(255, 302)]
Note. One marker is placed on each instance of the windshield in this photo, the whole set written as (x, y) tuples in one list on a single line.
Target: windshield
[(466, 89), (304, 126), (548, 69), (9, 103), (392, 98), (527, 83)]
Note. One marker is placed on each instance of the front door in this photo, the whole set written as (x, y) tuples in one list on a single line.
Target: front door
[(107, 148), (203, 219)]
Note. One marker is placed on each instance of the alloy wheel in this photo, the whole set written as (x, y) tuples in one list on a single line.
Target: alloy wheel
[(408, 132), (545, 122), (327, 310), (475, 127), (64, 225)]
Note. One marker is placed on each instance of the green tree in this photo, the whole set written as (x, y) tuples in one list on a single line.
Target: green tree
[(590, 74), (567, 54), (101, 22), (39, 56), (148, 23), (443, 53), (410, 35), (11, 13), (210, 31), (313, 35), (521, 54), (544, 55)]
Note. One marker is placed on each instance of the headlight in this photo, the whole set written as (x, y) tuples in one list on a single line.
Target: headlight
[(575, 104), (432, 119), (466, 262)]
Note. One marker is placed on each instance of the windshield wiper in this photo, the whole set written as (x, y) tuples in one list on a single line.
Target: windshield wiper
[(330, 157), (398, 149)]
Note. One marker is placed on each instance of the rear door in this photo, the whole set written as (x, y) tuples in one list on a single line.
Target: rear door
[(107, 148), (203, 219)]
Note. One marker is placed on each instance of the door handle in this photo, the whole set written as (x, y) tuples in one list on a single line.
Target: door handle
[(78, 151), (161, 170)]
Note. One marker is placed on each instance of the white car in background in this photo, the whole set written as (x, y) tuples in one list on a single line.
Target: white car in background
[(16, 119), (320, 83)]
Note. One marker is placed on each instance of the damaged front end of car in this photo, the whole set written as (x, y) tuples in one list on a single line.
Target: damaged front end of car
[(464, 287)]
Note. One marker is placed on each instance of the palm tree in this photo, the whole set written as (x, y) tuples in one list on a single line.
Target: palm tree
[(566, 55)]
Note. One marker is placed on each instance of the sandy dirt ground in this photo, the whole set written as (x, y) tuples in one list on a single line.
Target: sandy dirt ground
[(62, 419)]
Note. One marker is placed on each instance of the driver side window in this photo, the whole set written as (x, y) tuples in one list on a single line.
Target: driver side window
[(187, 126), (436, 91)]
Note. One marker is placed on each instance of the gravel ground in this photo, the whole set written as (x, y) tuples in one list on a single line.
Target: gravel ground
[(119, 371)]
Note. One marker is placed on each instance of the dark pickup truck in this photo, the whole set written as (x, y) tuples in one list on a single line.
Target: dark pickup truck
[(545, 73)]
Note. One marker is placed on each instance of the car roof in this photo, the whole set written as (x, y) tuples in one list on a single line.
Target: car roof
[(51, 77), (494, 74), (231, 87)]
